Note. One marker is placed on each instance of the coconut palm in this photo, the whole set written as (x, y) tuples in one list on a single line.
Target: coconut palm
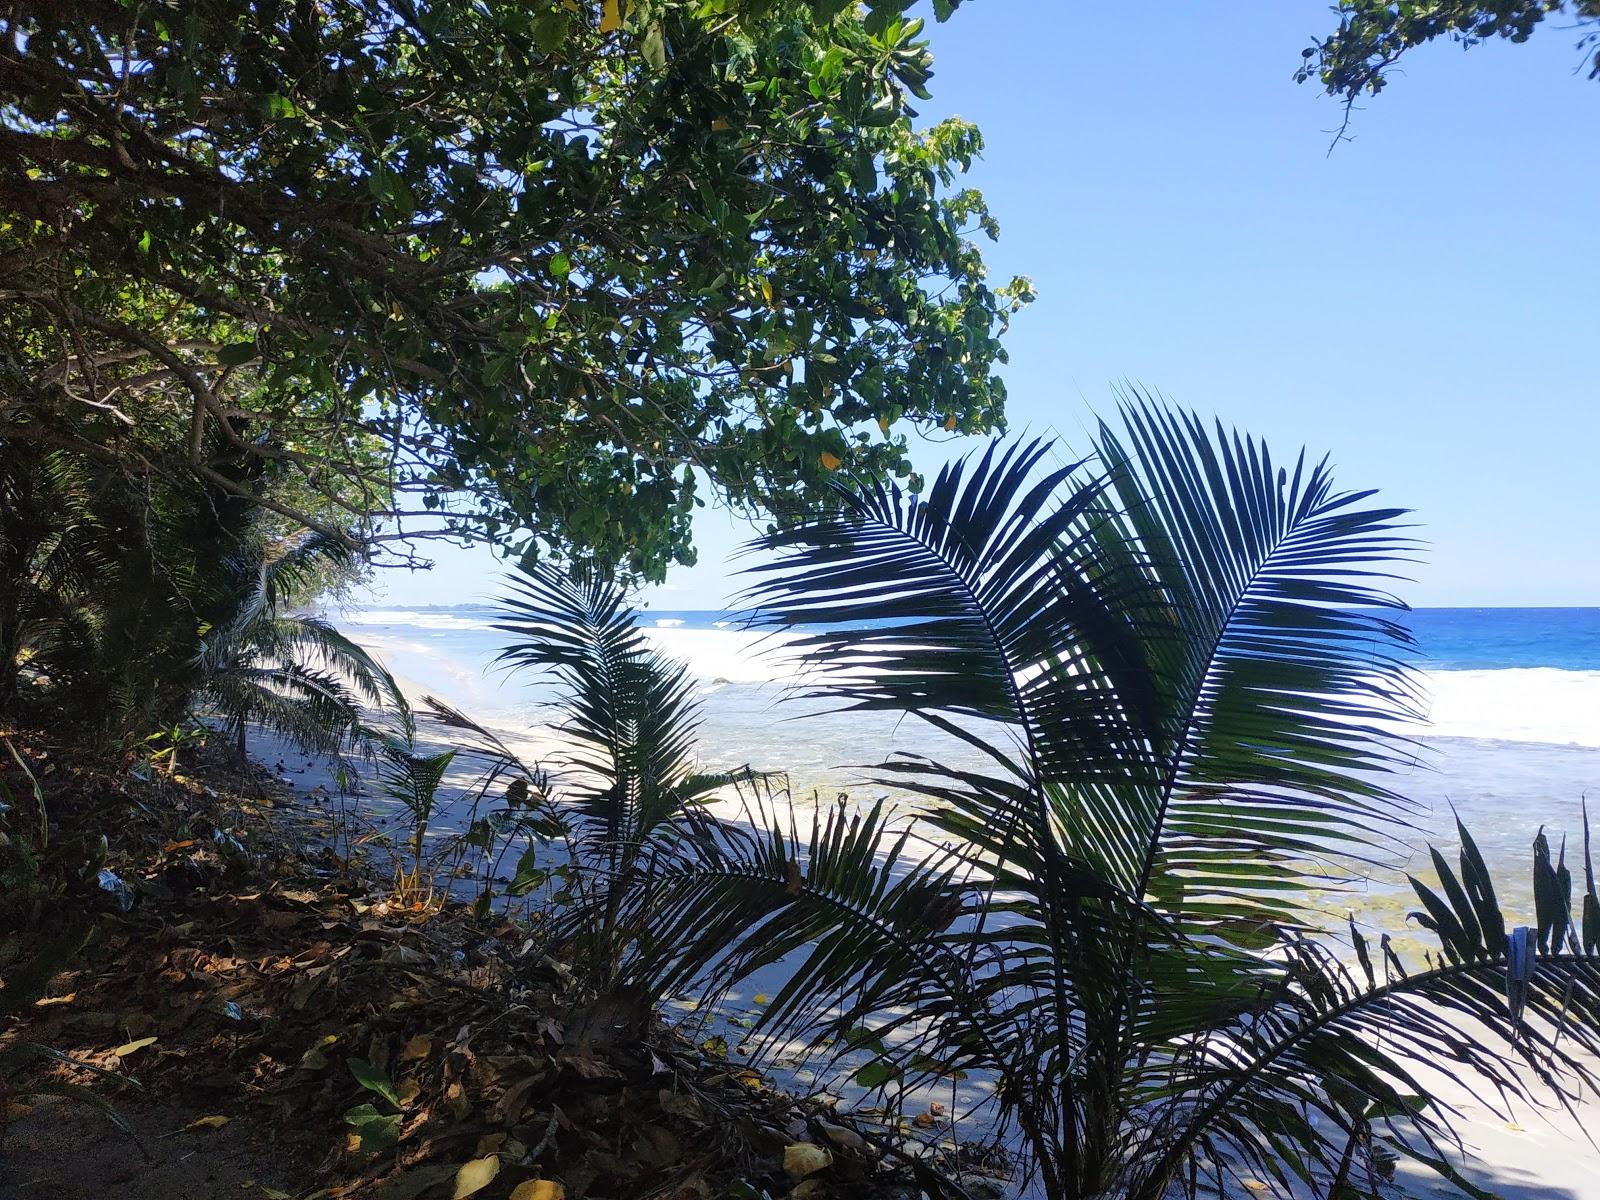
[(292, 673), (630, 715), (1179, 669)]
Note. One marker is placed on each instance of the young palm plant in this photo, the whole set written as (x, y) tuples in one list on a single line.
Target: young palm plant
[(630, 714), (294, 674), (1178, 667)]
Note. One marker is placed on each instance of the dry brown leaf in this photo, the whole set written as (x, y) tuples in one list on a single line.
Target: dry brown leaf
[(216, 1122), (509, 1108), (679, 1104), (417, 1047), (539, 1189)]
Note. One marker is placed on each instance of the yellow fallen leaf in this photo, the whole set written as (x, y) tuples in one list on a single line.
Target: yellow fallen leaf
[(805, 1158), (47, 1001), (407, 1090), (610, 15), (1255, 1185), (417, 1047), (761, 998), (830, 461), (128, 1048), (216, 1122), (476, 1175), (539, 1189)]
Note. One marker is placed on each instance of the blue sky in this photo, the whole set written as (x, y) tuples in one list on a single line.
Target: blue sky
[(1420, 303)]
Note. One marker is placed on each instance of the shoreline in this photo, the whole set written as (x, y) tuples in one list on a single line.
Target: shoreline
[(1521, 1156)]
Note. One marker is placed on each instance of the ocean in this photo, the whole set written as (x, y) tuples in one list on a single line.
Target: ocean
[(1512, 741)]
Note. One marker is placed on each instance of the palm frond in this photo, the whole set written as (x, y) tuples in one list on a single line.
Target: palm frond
[(1281, 676), (630, 712), (1506, 1015)]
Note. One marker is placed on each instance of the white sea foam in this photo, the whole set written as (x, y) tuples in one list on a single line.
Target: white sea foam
[(414, 618), (1541, 705), (725, 655), (1525, 704)]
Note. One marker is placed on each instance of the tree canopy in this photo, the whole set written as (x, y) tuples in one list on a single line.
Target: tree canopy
[(515, 268), (1356, 59)]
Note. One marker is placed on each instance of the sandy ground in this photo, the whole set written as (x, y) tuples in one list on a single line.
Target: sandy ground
[(64, 1150), (1522, 1154)]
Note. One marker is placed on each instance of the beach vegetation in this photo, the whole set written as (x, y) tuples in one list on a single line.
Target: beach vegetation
[(1179, 661), (1357, 59), (538, 273), (632, 786), (442, 767), (287, 671)]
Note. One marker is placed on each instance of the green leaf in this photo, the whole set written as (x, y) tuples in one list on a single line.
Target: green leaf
[(876, 1073), (374, 1080), (375, 1131), (237, 354)]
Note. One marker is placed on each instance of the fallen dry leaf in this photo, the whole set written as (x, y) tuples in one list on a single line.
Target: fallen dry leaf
[(805, 1158), (215, 1122), (539, 1189), (132, 1047), (417, 1047), (476, 1175)]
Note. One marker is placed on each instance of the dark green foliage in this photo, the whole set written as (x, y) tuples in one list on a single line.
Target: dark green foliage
[(291, 673), (105, 590), (502, 268), (124, 602), (631, 715), (1179, 663), (1373, 35), (498, 806)]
